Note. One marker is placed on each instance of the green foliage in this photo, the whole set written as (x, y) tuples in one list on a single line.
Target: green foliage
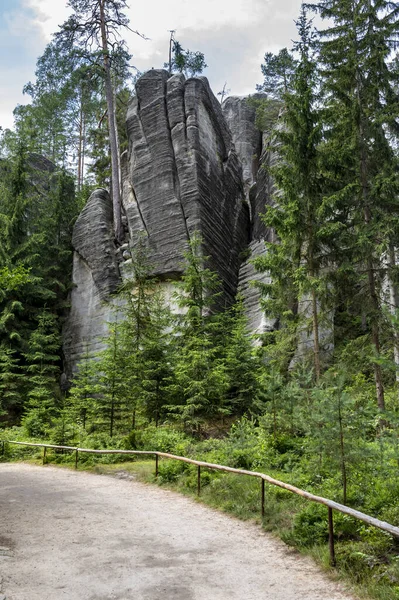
[(42, 358), (185, 61), (278, 71), (200, 381)]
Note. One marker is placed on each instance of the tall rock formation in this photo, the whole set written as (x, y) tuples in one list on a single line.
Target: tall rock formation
[(255, 157), (95, 278), (192, 166), (181, 174)]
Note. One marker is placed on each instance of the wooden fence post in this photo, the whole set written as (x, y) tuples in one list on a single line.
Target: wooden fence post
[(156, 465), (199, 481), (76, 458), (333, 562), (263, 497), (44, 454)]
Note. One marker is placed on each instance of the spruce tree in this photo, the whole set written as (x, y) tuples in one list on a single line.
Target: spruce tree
[(360, 162), (112, 401), (43, 367), (297, 263), (198, 391), (145, 344), (242, 361), (11, 382), (83, 393)]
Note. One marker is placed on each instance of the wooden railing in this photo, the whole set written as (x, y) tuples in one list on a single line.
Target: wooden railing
[(330, 504)]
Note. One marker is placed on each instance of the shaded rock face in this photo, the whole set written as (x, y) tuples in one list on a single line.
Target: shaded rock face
[(95, 278), (182, 174), (258, 322), (240, 118)]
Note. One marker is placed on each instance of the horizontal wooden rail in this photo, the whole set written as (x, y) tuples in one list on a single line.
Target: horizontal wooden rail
[(330, 504)]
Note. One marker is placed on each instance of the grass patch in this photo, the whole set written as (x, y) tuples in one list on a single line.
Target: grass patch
[(367, 558)]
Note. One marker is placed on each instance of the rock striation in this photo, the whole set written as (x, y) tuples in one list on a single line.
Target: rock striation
[(95, 278), (240, 117), (192, 165), (183, 175), (256, 158)]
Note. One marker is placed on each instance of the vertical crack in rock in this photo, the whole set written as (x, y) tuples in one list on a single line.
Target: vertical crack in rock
[(173, 86), (139, 208), (151, 171)]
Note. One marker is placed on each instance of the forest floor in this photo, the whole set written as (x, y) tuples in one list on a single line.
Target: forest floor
[(81, 536)]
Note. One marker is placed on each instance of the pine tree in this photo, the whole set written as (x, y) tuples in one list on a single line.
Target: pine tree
[(184, 61), (297, 263), (43, 367), (198, 391), (278, 71), (360, 162), (94, 30)]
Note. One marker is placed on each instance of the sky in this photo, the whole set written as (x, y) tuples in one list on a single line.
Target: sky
[(233, 35)]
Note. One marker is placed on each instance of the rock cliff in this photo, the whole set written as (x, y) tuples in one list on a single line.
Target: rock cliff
[(95, 278), (182, 174), (192, 166)]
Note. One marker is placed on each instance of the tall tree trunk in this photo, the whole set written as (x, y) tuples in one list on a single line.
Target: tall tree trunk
[(342, 452), (375, 308), (375, 328), (80, 142), (109, 94), (394, 305), (316, 337)]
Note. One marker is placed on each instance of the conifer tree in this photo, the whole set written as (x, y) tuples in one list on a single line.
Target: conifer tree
[(278, 71), (144, 337), (93, 31), (82, 397), (360, 162), (242, 362), (111, 383), (43, 367), (11, 382), (297, 262), (198, 391)]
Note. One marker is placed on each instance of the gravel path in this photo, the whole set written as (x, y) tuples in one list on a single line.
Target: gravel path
[(77, 536)]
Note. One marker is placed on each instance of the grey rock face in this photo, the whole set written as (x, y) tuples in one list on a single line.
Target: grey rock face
[(261, 195), (258, 323), (95, 278), (183, 175), (240, 118)]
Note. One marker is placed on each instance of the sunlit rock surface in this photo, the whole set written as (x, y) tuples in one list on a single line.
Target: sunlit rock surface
[(183, 175), (95, 278)]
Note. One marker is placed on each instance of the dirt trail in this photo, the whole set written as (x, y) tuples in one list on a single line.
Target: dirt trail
[(78, 536)]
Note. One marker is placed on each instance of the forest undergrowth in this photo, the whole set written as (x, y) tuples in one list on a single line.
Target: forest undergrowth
[(366, 557)]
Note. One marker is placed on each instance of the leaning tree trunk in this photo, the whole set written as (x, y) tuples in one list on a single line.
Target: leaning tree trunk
[(109, 94)]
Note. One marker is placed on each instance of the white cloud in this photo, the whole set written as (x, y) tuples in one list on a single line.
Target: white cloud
[(233, 35), (48, 14)]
